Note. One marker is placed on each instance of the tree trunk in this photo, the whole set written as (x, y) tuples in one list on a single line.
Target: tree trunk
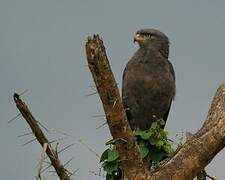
[(192, 156)]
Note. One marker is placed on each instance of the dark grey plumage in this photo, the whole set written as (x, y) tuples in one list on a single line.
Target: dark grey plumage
[(148, 80)]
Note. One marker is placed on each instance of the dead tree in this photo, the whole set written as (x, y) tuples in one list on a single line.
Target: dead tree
[(192, 156)]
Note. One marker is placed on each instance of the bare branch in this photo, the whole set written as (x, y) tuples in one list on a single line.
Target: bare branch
[(188, 162), (200, 149), (60, 170)]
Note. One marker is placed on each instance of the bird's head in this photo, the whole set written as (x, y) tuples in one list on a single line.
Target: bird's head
[(153, 39)]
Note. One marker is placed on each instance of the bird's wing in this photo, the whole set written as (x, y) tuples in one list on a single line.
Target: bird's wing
[(174, 77), (172, 70), (166, 114), (124, 99)]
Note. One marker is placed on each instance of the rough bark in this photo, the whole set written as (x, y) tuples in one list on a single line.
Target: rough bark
[(112, 104), (42, 139), (191, 158)]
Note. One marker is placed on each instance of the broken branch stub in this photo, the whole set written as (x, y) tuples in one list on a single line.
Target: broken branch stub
[(116, 117)]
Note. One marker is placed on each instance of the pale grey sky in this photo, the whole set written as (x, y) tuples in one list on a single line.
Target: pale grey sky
[(42, 50)]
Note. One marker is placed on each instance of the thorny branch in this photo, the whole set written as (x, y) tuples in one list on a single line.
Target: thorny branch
[(112, 104), (188, 161), (42, 139)]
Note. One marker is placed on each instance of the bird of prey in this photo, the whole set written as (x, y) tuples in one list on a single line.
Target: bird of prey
[(148, 80)]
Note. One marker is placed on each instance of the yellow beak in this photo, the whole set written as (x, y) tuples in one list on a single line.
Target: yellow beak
[(138, 38)]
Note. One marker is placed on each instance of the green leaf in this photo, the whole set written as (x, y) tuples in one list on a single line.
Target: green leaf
[(159, 143), (156, 155), (109, 177), (168, 148), (163, 133), (161, 122), (112, 155), (143, 150), (153, 140), (104, 155), (154, 125), (111, 167), (143, 134), (137, 132)]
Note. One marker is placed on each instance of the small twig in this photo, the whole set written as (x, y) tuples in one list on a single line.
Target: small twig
[(57, 140), (14, 118), (42, 139), (22, 93), (97, 116), (210, 177), (32, 140), (96, 173), (25, 134), (93, 88), (72, 174), (92, 93), (68, 162), (63, 133), (172, 141), (101, 125), (114, 103), (46, 168), (63, 149), (41, 160), (56, 149), (46, 162), (113, 141), (90, 149)]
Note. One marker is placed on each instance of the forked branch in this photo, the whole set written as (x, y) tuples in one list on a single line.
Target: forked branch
[(191, 158)]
